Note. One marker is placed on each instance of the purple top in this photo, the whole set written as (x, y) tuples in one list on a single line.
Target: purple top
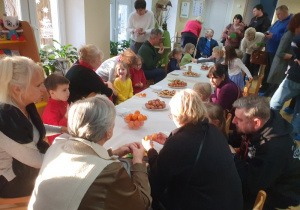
[(225, 94)]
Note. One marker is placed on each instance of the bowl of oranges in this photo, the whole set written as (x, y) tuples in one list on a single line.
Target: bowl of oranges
[(135, 120)]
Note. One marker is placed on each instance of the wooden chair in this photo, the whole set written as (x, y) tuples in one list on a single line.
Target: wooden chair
[(14, 203), (260, 200), (247, 88), (228, 122), (258, 83)]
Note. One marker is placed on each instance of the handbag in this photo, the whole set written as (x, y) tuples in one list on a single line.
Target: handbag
[(259, 57)]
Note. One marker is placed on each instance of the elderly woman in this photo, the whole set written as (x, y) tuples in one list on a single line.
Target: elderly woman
[(186, 174), (107, 69), (252, 41), (191, 32), (226, 91), (79, 173), (21, 129), (82, 76), (233, 33)]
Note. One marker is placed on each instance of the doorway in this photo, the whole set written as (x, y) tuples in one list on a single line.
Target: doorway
[(119, 14), (217, 16)]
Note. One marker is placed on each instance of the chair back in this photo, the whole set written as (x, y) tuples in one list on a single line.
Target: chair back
[(228, 122), (247, 88), (14, 203), (260, 200)]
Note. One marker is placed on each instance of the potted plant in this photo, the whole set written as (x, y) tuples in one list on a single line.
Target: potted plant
[(58, 59), (117, 48)]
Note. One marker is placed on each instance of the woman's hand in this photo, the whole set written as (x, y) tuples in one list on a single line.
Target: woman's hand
[(138, 152), (161, 138), (123, 150), (64, 129)]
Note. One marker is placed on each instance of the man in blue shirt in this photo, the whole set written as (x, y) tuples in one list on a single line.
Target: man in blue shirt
[(206, 44)]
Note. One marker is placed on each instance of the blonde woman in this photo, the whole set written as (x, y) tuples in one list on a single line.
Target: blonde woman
[(82, 76), (194, 169), (21, 129)]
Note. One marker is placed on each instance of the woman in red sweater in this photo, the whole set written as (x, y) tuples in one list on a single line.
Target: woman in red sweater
[(191, 32)]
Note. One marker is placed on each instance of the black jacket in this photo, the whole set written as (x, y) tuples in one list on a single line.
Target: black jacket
[(261, 24), (214, 183), (272, 164), (84, 81)]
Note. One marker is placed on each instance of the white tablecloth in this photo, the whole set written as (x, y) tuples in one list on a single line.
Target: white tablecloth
[(158, 121)]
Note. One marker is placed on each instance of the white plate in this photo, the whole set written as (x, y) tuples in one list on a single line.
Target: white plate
[(165, 96), (191, 76), (121, 111), (177, 87), (174, 73), (156, 88), (166, 108)]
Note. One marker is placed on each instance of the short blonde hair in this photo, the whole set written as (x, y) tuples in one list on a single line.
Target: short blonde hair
[(219, 50), (16, 71), (91, 118), (200, 19), (187, 107), (250, 32), (187, 47), (89, 53), (203, 89)]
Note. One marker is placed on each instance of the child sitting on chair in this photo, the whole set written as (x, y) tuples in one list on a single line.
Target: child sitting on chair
[(216, 57), (137, 75), (174, 60), (203, 89), (56, 109), (122, 83), (188, 52), (216, 116)]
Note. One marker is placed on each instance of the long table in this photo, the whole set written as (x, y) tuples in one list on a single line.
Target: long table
[(158, 121)]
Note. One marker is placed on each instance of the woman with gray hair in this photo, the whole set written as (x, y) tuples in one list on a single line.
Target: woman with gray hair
[(79, 173), (194, 169)]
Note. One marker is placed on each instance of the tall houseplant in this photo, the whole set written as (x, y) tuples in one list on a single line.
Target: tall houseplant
[(52, 57)]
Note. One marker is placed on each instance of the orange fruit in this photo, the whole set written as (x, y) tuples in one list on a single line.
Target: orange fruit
[(147, 138), (127, 118), (141, 123), (130, 124), (130, 115), (136, 123), (136, 127), (134, 117), (154, 136), (137, 112), (144, 94), (140, 117), (145, 117)]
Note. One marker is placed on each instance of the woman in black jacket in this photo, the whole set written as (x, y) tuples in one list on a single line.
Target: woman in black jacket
[(194, 169)]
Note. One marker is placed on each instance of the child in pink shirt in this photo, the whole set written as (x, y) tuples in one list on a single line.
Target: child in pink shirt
[(137, 76)]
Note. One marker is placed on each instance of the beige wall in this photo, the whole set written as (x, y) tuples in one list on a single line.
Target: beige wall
[(2, 10), (97, 24), (239, 7)]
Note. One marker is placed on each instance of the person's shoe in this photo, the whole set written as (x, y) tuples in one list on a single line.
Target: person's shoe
[(288, 110), (297, 137)]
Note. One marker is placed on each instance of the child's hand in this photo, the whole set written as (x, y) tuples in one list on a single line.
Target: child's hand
[(182, 67), (194, 60), (141, 85), (250, 79)]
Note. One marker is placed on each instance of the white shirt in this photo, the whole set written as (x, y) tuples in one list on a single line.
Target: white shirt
[(146, 22), (249, 46), (236, 66)]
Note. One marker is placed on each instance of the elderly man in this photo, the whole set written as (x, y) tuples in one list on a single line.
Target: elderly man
[(206, 44), (274, 36), (268, 158), (151, 56), (140, 24), (260, 21)]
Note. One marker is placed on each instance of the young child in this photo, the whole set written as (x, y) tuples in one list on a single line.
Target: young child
[(137, 75), (174, 60), (122, 83), (55, 111), (216, 116), (188, 52), (234, 67), (216, 57), (203, 89)]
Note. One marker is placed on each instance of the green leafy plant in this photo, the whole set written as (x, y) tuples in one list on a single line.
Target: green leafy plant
[(50, 55), (118, 47)]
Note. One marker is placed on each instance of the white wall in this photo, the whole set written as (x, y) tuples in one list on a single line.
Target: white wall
[(75, 22)]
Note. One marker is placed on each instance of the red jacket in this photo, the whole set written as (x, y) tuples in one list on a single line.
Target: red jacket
[(137, 76), (54, 114), (193, 26)]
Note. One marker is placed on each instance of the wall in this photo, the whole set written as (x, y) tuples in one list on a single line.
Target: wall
[(269, 7), (239, 7), (88, 22), (97, 24), (2, 9)]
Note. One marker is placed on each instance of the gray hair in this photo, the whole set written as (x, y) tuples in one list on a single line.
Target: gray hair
[(250, 32), (91, 118), (283, 8), (211, 31), (255, 106), (155, 32)]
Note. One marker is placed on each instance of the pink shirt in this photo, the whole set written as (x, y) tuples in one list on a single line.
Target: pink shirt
[(193, 26)]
